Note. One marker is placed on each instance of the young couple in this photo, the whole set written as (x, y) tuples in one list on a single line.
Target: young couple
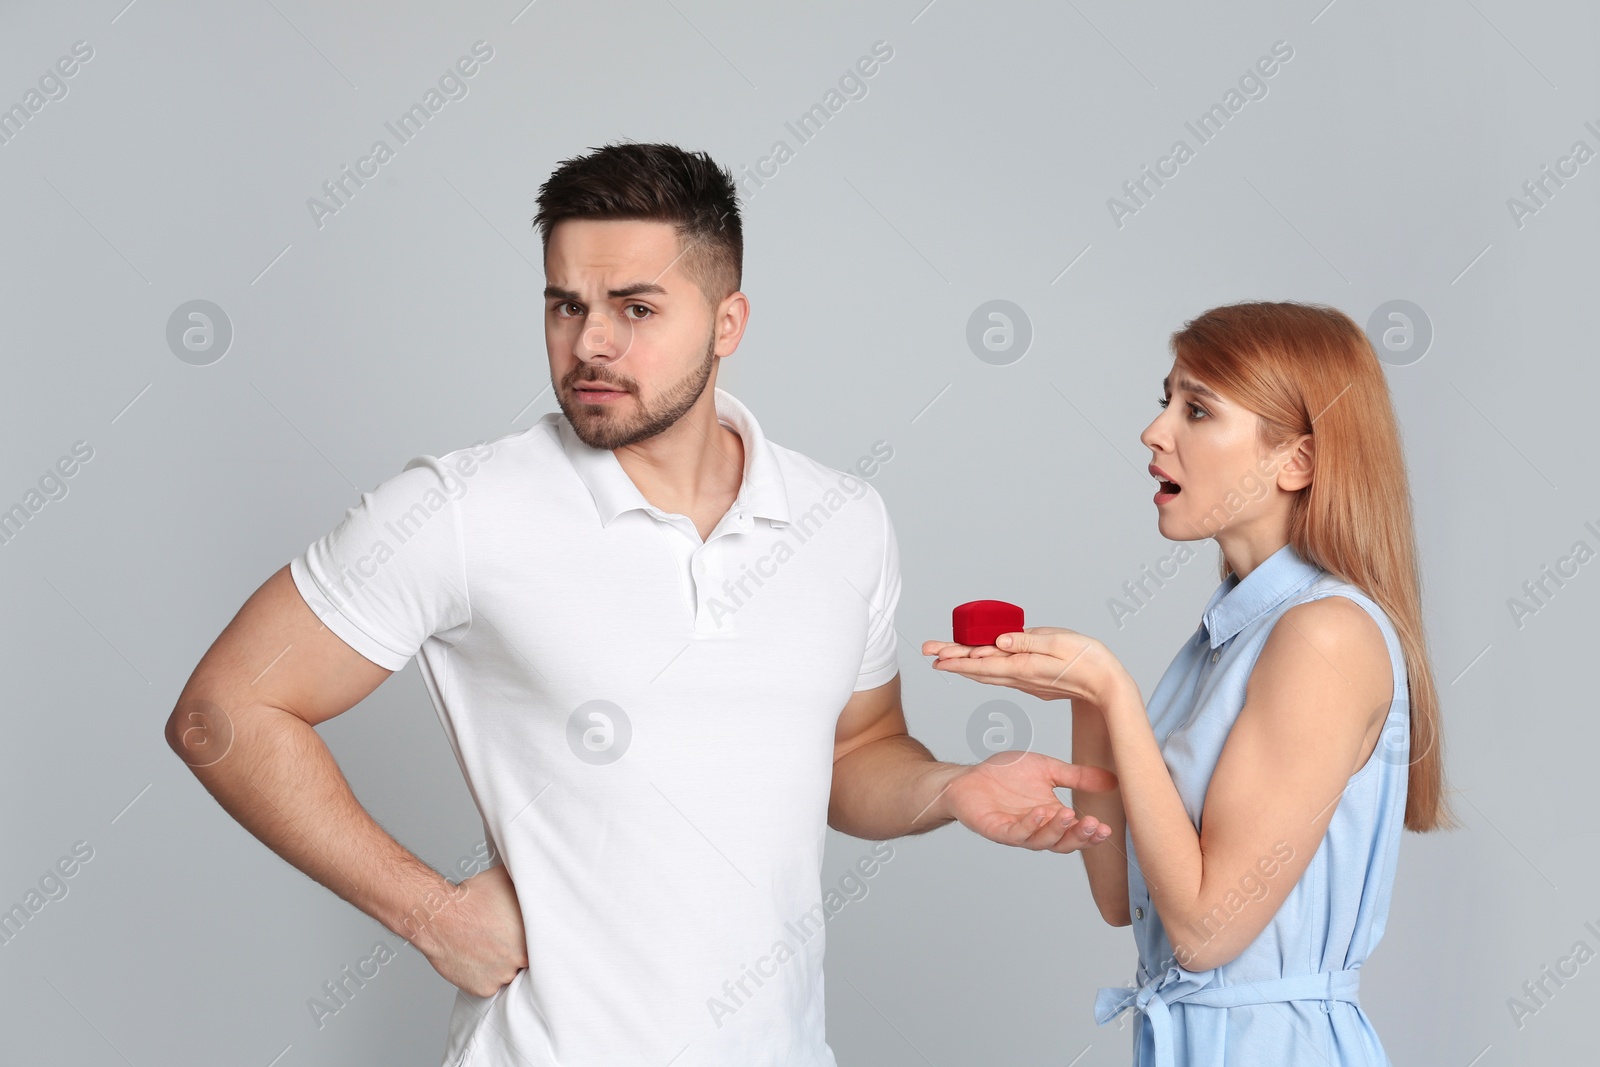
[(655, 771)]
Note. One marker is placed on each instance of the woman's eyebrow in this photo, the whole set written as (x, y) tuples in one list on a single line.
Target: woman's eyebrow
[(1189, 385)]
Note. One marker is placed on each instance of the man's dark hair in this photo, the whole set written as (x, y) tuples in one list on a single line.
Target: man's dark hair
[(657, 182)]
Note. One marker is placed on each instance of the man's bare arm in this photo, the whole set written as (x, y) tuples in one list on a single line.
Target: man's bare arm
[(884, 780), (245, 725), (886, 784)]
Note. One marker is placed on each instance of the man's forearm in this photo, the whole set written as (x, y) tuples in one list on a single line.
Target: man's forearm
[(281, 783), (889, 788)]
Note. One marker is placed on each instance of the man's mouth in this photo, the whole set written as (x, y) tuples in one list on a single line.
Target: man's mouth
[(597, 391)]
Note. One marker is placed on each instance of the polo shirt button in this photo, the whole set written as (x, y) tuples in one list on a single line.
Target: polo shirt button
[(1138, 913)]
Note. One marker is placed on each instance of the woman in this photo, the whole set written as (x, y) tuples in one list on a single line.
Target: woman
[(1262, 792)]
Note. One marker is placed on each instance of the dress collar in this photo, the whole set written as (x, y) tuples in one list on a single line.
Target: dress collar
[(761, 491), (1236, 604)]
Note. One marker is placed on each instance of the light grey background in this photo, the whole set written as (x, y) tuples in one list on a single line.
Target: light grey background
[(977, 167)]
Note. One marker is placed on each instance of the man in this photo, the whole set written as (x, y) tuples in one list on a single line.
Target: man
[(662, 648)]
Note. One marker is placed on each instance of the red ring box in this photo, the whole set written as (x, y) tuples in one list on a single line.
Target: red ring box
[(981, 622)]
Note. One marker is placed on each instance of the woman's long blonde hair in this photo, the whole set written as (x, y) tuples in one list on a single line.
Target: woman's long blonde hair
[(1308, 369)]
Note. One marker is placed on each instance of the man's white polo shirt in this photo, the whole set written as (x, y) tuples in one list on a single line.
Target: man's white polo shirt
[(645, 721)]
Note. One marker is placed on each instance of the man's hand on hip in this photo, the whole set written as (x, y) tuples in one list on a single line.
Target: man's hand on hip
[(477, 941)]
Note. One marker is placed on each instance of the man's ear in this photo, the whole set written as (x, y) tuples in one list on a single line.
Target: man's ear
[(728, 321), (1298, 465)]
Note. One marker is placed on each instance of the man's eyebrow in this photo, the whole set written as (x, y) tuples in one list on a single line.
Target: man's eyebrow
[(636, 289), (1192, 386)]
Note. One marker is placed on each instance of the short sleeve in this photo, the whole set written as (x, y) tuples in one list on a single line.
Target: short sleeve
[(879, 662), (393, 572)]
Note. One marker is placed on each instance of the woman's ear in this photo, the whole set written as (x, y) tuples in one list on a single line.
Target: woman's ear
[(1298, 465)]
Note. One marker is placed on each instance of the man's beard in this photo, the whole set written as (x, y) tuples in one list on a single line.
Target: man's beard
[(599, 428)]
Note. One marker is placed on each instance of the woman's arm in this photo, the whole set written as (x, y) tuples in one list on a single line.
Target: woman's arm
[(1107, 868), (1314, 708)]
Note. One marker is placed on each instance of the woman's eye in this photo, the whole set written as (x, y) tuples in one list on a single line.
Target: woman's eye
[(1195, 410)]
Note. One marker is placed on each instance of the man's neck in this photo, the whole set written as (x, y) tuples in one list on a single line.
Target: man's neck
[(695, 468)]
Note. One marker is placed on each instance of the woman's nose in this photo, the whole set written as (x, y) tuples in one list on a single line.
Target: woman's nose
[(1152, 437)]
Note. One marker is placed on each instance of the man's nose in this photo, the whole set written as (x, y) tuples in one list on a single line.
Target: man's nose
[(603, 339)]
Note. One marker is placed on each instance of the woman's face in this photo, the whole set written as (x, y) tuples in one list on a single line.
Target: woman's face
[(1207, 455)]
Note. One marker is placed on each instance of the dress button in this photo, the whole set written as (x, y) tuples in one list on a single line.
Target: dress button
[(1215, 655), (1138, 913)]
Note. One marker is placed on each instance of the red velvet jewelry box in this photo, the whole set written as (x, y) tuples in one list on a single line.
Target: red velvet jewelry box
[(981, 622)]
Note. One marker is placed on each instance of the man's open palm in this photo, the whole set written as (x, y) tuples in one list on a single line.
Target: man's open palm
[(1010, 798)]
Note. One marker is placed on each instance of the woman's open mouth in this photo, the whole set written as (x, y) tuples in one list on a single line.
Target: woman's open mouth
[(1167, 488)]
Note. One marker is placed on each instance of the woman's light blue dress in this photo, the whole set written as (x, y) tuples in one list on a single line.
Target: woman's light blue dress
[(1290, 996)]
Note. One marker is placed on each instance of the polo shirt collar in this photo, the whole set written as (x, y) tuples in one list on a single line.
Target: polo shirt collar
[(762, 492), (1236, 604)]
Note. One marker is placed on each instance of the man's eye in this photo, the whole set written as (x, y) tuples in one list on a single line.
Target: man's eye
[(641, 307)]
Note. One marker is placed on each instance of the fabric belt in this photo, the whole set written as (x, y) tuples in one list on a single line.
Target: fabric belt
[(1178, 986)]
